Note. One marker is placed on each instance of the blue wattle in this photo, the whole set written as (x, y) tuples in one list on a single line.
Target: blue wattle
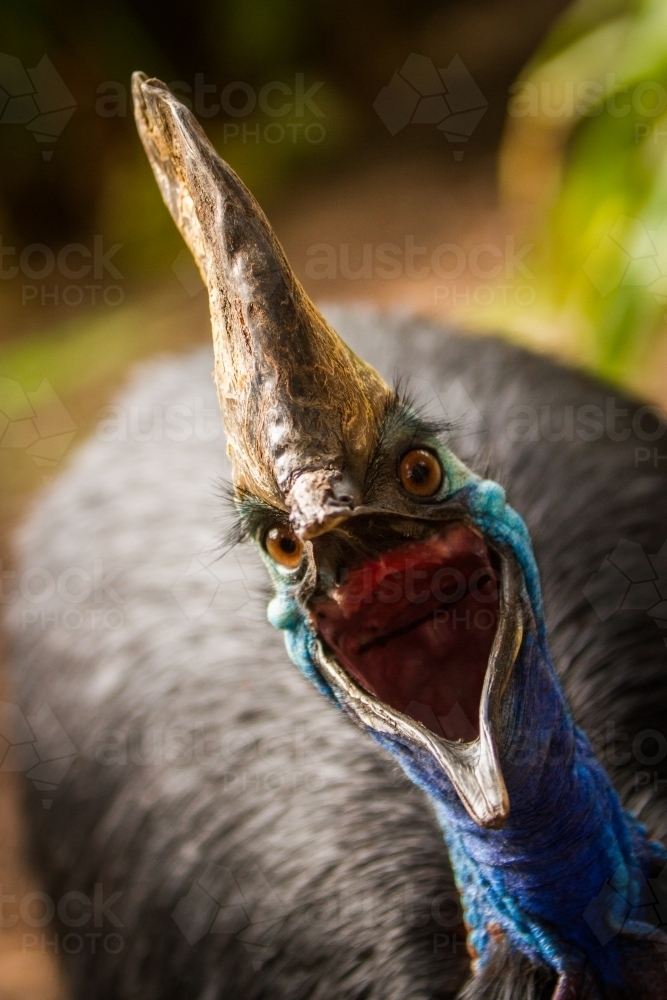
[(562, 877)]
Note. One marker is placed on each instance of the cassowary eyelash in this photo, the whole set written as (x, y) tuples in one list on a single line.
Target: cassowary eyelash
[(403, 418), (250, 516), (405, 400)]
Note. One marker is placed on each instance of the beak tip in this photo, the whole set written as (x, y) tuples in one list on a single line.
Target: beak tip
[(147, 94), (494, 820), (326, 519), (320, 500)]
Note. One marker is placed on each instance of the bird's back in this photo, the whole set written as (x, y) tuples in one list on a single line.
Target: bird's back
[(260, 844)]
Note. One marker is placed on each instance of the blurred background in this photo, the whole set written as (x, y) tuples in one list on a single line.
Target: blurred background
[(498, 164)]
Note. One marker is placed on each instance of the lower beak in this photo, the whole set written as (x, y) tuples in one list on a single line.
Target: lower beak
[(473, 768)]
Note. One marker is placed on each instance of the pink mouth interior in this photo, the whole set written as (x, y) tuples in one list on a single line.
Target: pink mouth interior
[(415, 628)]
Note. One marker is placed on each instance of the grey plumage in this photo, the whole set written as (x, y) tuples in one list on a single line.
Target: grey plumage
[(199, 745)]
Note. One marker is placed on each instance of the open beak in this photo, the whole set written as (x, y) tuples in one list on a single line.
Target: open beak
[(419, 644)]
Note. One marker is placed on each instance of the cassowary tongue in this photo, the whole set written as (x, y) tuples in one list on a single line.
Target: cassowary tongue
[(416, 626)]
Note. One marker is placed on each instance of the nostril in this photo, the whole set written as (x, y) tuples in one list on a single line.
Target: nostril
[(344, 491)]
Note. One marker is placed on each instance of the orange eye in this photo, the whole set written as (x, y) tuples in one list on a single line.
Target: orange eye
[(284, 547), (420, 472)]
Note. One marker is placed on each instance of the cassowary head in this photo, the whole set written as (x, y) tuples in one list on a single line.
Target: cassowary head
[(407, 589), (363, 516)]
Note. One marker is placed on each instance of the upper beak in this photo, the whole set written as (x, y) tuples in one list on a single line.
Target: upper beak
[(320, 500)]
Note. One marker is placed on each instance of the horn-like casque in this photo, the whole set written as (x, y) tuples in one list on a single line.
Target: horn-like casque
[(300, 409)]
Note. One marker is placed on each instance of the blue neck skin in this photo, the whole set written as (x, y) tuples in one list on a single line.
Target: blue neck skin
[(562, 876)]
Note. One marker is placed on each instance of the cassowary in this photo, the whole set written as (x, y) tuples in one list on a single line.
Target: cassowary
[(219, 824)]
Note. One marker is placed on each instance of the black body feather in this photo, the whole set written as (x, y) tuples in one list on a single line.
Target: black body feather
[(262, 846)]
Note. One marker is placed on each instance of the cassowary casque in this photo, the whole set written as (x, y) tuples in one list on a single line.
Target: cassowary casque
[(408, 593)]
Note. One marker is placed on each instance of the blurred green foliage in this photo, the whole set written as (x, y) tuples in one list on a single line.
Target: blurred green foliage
[(587, 138)]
